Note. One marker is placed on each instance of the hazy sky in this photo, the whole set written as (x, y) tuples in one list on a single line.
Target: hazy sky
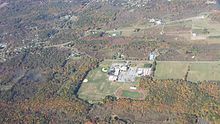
[(218, 2)]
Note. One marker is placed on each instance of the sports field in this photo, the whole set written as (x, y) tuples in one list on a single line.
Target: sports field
[(131, 94), (97, 87)]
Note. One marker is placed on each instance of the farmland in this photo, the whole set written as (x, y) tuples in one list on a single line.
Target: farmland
[(171, 70), (197, 71), (203, 27), (204, 71)]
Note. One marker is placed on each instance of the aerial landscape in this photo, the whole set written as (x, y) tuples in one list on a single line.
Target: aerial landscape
[(110, 61)]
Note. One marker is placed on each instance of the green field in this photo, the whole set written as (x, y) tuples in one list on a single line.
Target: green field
[(206, 27), (171, 70), (204, 71), (131, 94), (97, 87), (199, 71)]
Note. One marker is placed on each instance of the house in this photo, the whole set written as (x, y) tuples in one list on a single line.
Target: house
[(152, 56), (152, 20), (114, 35), (194, 34), (155, 21), (211, 2), (158, 22)]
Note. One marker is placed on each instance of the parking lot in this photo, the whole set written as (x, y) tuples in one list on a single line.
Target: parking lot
[(127, 76)]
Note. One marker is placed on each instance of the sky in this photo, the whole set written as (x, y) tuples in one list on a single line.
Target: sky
[(218, 2)]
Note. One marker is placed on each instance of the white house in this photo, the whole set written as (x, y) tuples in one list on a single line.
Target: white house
[(158, 22)]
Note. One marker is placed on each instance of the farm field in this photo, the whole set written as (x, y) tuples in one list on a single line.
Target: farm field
[(204, 71), (198, 71), (171, 70), (205, 28)]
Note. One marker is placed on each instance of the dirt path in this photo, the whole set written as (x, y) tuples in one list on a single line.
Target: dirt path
[(58, 45)]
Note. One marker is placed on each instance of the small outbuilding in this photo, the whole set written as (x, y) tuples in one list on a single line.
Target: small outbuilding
[(133, 88), (152, 56), (85, 80)]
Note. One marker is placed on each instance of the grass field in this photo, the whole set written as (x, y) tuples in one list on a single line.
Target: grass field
[(204, 71), (205, 27), (171, 70), (199, 71), (131, 94), (97, 87)]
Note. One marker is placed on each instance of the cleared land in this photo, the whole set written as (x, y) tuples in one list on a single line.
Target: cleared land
[(171, 70), (99, 86), (204, 71), (204, 28), (198, 71)]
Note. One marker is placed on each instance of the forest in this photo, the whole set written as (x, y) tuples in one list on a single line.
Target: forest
[(50, 46)]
